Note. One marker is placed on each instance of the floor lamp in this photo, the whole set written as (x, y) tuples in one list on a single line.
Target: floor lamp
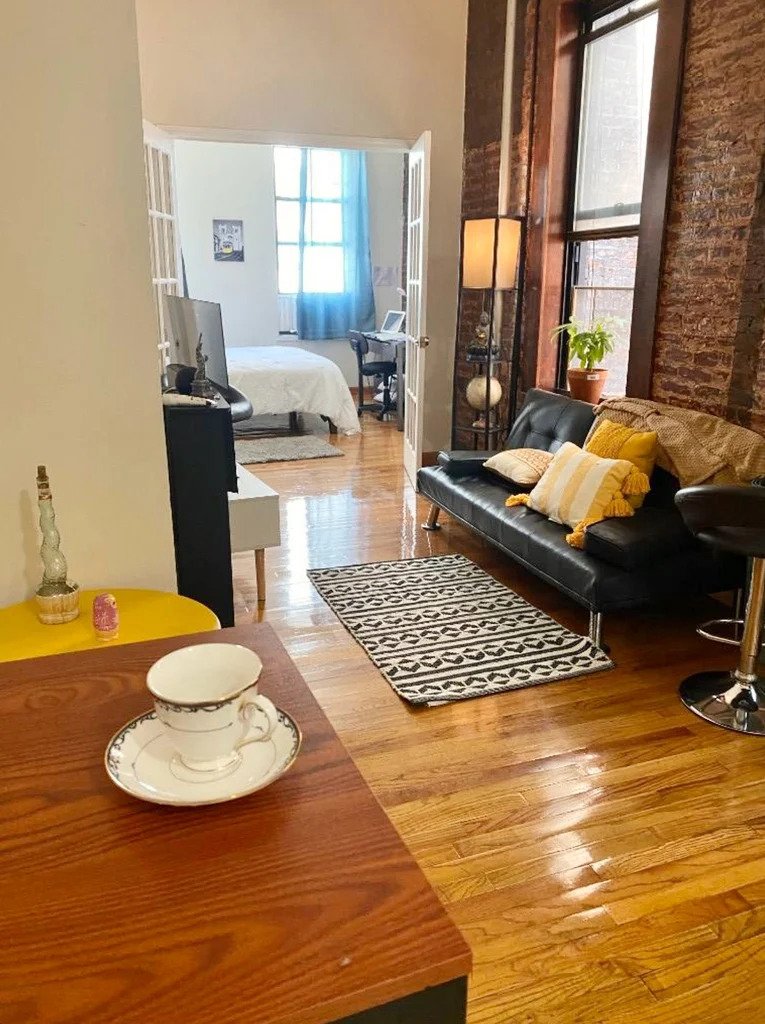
[(490, 261)]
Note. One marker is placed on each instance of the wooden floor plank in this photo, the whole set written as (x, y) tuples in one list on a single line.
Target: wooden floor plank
[(602, 849)]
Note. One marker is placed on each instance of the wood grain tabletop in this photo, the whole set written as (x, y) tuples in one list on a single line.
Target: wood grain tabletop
[(299, 904)]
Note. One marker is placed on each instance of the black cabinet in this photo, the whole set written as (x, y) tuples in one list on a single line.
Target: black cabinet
[(202, 470)]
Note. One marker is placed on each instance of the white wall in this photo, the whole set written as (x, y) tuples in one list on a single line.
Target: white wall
[(78, 345), (230, 180), (236, 180), (348, 68)]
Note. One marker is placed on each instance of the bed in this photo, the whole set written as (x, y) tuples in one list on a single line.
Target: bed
[(280, 379)]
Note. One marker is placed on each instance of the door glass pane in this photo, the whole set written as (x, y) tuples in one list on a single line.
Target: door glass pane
[(287, 171), (287, 258), (324, 173), (616, 95), (323, 269), (604, 291), (287, 220), (324, 222)]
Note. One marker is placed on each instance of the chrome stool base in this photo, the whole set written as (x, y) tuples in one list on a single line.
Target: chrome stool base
[(725, 700)]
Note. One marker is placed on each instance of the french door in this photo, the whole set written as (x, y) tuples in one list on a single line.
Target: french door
[(416, 295), (164, 243)]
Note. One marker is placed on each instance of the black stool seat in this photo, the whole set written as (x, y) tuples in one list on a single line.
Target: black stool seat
[(379, 369), (733, 519)]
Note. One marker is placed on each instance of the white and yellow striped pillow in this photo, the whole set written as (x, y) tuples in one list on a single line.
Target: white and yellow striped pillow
[(579, 489)]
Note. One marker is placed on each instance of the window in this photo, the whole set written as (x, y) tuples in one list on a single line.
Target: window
[(309, 220), (607, 180)]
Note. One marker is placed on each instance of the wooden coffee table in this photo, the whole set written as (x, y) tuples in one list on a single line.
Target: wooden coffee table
[(296, 905)]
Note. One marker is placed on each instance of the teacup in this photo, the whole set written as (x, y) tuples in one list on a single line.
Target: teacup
[(206, 697)]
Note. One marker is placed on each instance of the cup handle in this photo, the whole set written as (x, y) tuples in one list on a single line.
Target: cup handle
[(247, 710)]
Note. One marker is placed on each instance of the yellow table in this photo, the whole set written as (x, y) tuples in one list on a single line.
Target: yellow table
[(144, 615)]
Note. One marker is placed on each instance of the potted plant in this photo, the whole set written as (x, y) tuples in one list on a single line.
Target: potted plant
[(589, 346)]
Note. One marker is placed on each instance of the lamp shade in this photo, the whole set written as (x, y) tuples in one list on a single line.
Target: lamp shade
[(478, 253), (508, 249), (480, 238)]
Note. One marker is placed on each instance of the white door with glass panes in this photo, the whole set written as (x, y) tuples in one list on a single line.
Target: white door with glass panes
[(416, 295), (164, 243)]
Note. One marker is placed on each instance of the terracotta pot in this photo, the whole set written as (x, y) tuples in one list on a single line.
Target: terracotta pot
[(587, 385)]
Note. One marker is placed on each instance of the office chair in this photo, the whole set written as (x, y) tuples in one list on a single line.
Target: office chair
[(373, 368)]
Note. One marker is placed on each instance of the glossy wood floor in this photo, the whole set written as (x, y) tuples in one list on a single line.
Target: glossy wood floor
[(602, 850)]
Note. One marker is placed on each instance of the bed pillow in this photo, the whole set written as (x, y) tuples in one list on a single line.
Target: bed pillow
[(640, 447), (579, 489), (521, 466)]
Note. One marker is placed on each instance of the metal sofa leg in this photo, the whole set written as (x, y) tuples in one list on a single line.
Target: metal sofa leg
[(596, 629), (431, 523)]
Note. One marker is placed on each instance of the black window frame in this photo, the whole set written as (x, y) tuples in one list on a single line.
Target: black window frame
[(591, 12)]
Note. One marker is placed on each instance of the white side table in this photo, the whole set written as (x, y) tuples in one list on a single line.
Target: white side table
[(253, 514)]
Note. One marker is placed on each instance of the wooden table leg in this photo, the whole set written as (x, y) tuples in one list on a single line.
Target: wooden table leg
[(260, 575)]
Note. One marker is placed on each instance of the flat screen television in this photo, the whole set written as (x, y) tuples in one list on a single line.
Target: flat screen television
[(187, 319)]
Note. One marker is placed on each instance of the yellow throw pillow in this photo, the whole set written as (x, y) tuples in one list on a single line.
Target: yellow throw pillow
[(640, 447), (522, 466), (579, 489)]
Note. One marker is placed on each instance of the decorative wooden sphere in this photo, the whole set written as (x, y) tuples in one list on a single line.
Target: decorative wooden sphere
[(475, 393)]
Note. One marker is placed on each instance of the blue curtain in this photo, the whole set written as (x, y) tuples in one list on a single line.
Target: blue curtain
[(321, 316)]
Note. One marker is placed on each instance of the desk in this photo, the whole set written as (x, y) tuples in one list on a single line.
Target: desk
[(299, 904), (144, 615), (385, 347), (253, 515)]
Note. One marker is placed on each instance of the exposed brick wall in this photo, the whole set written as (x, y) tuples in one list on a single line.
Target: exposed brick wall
[(484, 83), (711, 321), (710, 338), (481, 172)]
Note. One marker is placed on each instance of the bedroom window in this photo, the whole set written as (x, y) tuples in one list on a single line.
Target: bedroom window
[(309, 220)]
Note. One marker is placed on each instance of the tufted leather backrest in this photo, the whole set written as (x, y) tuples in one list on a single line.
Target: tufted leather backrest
[(547, 421)]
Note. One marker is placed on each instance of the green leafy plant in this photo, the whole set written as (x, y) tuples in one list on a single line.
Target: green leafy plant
[(589, 346)]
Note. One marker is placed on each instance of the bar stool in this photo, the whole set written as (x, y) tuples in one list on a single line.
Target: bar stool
[(732, 519)]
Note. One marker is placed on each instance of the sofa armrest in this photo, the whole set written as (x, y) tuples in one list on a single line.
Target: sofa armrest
[(463, 463)]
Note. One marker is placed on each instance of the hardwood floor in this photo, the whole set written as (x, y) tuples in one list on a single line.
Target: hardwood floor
[(602, 850)]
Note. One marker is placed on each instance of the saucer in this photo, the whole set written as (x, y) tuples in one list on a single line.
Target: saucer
[(141, 760)]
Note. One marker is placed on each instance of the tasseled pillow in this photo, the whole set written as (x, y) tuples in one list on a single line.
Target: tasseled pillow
[(579, 489), (612, 440)]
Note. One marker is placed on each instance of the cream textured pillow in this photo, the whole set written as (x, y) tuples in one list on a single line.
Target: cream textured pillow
[(579, 489), (522, 466)]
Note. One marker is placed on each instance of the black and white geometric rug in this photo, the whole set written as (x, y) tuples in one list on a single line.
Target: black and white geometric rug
[(440, 629)]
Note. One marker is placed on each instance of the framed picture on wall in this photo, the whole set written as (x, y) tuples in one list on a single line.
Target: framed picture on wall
[(228, 241)]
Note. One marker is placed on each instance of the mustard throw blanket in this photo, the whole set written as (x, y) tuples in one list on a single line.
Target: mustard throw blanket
[(695, 447)]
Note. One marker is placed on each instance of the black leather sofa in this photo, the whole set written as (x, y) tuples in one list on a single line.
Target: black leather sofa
[(626, 563)]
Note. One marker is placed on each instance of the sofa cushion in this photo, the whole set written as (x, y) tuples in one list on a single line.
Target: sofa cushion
[(547, 421), (648, 536)]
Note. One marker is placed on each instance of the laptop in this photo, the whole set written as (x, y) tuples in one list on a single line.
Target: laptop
[(392, 325)]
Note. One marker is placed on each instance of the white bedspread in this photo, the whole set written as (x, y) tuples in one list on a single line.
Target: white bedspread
[(282, 380)]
